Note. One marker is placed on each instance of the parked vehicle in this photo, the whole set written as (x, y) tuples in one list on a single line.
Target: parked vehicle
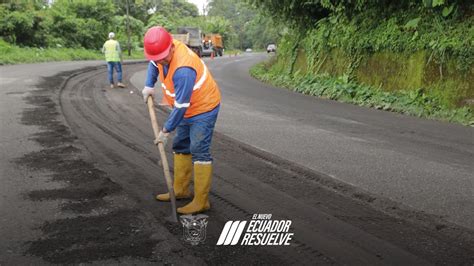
[(207, 48), (217, 44), (202, 45), (192, 37), (213, 43), (271, 48)]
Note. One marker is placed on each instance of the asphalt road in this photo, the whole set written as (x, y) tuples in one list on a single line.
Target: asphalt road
[(80, 173), (19, 217), (426, 165)]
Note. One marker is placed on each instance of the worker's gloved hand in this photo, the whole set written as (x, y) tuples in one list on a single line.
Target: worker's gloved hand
[(148, 91), (162, 138)]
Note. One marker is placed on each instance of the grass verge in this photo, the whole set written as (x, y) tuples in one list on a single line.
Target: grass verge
[(414, 102), (11, 54)]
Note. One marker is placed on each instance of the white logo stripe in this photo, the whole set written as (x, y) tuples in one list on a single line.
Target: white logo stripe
[(231, 234), (224, 233), (238, 233)]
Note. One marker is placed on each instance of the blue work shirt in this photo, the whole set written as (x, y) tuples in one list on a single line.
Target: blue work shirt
[(183, 80)]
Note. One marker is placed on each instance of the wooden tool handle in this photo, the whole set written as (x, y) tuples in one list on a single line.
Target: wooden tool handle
[(164, 159)]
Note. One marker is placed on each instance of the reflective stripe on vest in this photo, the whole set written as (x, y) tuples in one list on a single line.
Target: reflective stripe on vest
[(206, 95), (112, 51)]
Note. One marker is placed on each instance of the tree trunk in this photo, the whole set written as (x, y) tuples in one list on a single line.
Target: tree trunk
[(128, 30)]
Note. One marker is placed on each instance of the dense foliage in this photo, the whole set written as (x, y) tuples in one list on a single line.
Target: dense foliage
[(85, 24), (335, 36), (64, 24), (249, 27), (11, 54), (302, 13), (445, 28)]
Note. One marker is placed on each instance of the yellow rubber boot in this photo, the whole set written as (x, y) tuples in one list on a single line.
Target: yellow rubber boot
[(202, 186), (183, 168)]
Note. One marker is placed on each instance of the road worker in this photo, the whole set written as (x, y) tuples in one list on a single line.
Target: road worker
[(188, 87), (113, 56)]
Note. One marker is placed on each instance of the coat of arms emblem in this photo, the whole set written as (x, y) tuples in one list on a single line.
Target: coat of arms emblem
[(194, 228)]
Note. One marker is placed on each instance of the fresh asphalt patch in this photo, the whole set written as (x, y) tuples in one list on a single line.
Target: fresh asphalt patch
[(104, 221), (116, 232)]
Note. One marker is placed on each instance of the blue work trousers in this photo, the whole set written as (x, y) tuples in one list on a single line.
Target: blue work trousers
[(195, 138), (110, 69)]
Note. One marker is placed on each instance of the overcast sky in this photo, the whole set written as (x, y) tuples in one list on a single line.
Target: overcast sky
[(199, 4)]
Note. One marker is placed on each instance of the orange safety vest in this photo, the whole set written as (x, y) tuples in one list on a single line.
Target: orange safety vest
[(206, 95)]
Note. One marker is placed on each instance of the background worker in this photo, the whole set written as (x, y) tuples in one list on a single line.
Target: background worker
[(188, 86), (113, 56)]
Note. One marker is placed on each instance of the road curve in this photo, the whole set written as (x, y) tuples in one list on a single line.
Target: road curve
[(427, 165), (333, 222), (115, 128)]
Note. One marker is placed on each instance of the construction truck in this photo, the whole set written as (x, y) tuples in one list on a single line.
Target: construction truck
[(192, 37), (214, 43)]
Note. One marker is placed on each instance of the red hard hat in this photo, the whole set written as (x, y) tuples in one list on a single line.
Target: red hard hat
[(157, 43)]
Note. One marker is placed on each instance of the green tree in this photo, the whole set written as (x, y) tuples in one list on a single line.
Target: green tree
[(137, 8), (308, 12), (175, 9), (219, 25), (248, 28), (160, 20), (172, 13), (223, 8), (82, 23), (119, 26), (263, 30), (24, 24)]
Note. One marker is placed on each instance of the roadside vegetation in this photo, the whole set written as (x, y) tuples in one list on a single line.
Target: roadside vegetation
[(12, 54), (412, 102), (35, 31), (411, 56)]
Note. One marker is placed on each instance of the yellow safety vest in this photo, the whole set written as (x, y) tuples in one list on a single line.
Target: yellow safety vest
[(112, 51)]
